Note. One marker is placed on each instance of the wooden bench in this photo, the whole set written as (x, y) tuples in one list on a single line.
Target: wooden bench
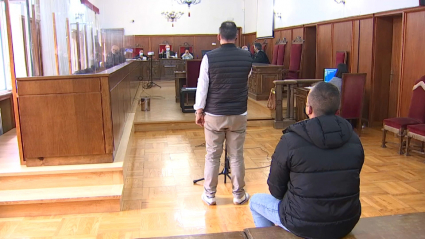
[(223, 235), (397, 226)]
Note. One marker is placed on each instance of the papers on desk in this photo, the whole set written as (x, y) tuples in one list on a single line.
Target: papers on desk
[(309, 87)]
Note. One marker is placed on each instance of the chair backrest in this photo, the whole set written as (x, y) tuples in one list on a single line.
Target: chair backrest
[(182, 49), (417, 105), (295, 58), (352, 94), (252, 49), (192, 72), (275, 51), (162, 47), (280, 55), (341, 57)]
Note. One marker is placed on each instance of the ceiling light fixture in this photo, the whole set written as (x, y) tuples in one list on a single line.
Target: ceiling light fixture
[(172, 16), (189, 2), (340, 1)]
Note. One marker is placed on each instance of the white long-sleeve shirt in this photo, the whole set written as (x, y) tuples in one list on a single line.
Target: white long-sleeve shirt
[(202, 88)]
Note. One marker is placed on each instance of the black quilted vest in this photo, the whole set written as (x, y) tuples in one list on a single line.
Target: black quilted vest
[(228, 70)]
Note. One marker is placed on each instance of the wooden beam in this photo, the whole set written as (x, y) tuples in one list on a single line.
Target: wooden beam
[(68, 41), (55, 37), (13, 77)]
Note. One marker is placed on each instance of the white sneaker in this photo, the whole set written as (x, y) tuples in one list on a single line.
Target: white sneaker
[(208, 200), (239, 201)]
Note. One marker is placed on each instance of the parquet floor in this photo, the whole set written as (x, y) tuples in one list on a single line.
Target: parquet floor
[(160, 199)]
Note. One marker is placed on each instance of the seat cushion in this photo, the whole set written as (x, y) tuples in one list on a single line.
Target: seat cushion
[(417, 129), (399, 123)]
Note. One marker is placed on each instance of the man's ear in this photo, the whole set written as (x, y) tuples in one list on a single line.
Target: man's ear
[(310, 110), (218, 37)]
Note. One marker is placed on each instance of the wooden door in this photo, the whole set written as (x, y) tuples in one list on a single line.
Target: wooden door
[(395, 67)]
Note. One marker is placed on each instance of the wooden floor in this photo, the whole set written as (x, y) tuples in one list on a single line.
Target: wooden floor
[(159, 198)]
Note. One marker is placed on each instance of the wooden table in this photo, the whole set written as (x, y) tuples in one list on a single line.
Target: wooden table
[(162, 69), (261, 80)]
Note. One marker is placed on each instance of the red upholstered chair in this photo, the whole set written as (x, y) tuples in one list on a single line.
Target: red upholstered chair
[(352, 92), (416, 115), (275, 51), (279, 52), (251, 49), (417, 132), (162, 47), (295, 59), (182, 49), (341, 57)]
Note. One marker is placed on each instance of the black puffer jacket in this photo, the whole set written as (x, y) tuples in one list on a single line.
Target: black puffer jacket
[(315, 171)]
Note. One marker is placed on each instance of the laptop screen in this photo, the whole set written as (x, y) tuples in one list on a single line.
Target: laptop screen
[(329, 73)]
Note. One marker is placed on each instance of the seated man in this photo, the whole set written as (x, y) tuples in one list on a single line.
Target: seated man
[(187, 55), (167, 53), (141, 55), (260, 56), (314, 175), (115, 57)]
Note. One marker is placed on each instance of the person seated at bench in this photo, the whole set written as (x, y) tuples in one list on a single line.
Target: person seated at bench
[(260, 56), (314, 177), (187, 55), (337, 79)]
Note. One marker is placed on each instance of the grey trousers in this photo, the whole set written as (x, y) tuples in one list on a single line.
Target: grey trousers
[(232, 129)]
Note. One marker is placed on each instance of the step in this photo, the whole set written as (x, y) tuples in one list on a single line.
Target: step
[(63, 200), (167, 125), (61, 176)]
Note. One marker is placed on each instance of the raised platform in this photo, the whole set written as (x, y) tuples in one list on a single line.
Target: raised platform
[(53, 190)]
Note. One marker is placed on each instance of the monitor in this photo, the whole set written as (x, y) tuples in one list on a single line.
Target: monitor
[(328, 74), (204, 52)]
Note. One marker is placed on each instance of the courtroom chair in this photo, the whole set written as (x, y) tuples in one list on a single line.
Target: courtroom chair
[(182, 49), (416, 115), (251, 49), (162, 47), (417, 132), (279, 52), (341, 58), (352, 94), (295, 59), (192, 75)]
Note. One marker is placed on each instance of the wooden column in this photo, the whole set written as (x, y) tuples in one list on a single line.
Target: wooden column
[(68, 40), (13, 77), (55, 38)]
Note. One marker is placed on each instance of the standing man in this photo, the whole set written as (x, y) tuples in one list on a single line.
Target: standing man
[(221, 108), (314, 177), (260, 56)]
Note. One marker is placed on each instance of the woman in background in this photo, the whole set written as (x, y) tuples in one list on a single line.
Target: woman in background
[(337, 80)]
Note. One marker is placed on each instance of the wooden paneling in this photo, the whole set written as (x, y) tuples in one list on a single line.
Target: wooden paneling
[(414, 48), (365, 53), (354, 56), (342, 39), (155, 41), (308, 68), (297, 32), (382, 67), (324, 49), (204, 43), (142, 42), (180, 40), (59, 86), (288, 35), (128, 41), (48, 121), (395, 66)]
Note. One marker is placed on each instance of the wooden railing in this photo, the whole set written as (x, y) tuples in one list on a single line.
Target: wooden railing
[(280, 121)]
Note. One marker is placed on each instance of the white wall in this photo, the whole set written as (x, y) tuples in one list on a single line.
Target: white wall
[(206, 17), (298, 12), (250, 16)]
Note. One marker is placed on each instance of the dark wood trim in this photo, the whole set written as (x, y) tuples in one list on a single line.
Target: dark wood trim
[(403, 41), (13, 78)]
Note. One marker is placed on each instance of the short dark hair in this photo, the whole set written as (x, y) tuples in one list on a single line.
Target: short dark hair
[(324, 98), (341, 69), (187, 48), (258, 46), (228, 30)]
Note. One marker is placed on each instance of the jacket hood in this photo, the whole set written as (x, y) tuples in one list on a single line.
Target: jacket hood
[(326, 132)]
